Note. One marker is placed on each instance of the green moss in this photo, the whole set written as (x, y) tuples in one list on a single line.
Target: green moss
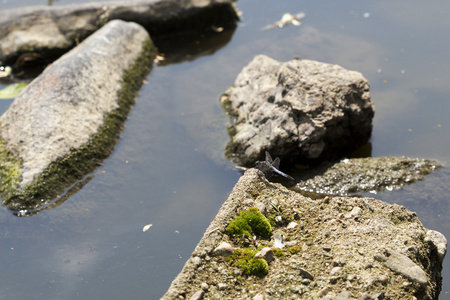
[(294, 249), (10, 171), (73, 167), (245, 261), (272, 220), (278, 252), (254, 266), (248, 223)]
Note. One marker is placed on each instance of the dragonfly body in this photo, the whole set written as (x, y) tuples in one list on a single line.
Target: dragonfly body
[(269, 166)]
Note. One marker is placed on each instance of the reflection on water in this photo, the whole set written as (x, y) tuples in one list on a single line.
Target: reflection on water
[(55, 202), (168, 167)]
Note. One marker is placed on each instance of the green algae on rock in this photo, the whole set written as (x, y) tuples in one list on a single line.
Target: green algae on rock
[(355, 175), (44, 177)]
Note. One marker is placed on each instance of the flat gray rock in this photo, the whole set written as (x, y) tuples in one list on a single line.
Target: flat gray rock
[(357, 175), (300, 110), (60, 113), (37, 33)]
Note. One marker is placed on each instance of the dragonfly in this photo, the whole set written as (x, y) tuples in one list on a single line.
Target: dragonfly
[(269, 166)]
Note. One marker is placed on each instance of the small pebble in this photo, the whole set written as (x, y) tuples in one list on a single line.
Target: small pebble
[(258, 297), (221, 286), (290, 243), (356, 212), (305, 274), (224, 249), (197, 261), (204, 286), (198, 295), (335, 270), (249, 202), (323, 291), (365, 296), (378, 296), (339, 262), (266, 254), (351, 277), (384, 279), (261, 207), (343, 296), (292, 225)]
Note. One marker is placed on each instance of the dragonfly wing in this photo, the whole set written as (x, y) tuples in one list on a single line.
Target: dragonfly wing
[(282, 174), (268, 158), (276, 163)]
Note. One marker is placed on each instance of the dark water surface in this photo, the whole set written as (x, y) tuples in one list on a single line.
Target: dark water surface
[(168, 167)]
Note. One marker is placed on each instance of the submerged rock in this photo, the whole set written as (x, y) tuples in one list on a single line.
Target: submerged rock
[(300, 110), (37, 33), (348, 247), (366, 174), (68, 119)]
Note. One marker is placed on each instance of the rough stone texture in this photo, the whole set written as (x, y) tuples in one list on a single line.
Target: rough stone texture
[(42, 32), (336, 256), (300, 110), (365, 174), (65, 106)]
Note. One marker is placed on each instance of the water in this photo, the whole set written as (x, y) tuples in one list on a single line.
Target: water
[(168, 167)]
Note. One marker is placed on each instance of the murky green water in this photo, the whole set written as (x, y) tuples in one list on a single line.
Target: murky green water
[(168, 167)]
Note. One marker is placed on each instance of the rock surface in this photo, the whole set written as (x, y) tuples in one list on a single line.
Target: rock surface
[(358, 175), (403, 265), (338, 254), (31, 34), (300, 110), (72, 113)]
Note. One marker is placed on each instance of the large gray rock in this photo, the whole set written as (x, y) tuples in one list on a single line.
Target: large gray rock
[(352, 246), (300, 110), (68, 118), (42, 32)]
